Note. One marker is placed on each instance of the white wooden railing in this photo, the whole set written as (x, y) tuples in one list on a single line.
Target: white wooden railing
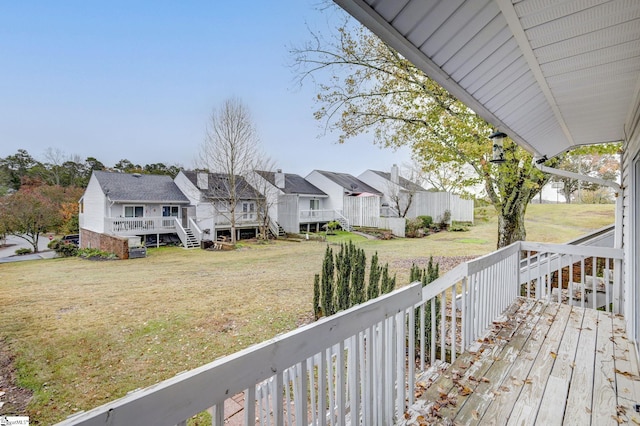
[(139, 225), (196, 229), (317, 215), (359, 366)]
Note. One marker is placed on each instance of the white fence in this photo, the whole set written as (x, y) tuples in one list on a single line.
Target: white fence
[(434, 204), (361, 211), (358, 366)]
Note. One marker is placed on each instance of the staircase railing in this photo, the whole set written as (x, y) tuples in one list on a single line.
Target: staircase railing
[(197, 232), (181, 232)]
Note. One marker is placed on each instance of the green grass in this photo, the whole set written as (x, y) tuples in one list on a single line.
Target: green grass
[(84, 333)]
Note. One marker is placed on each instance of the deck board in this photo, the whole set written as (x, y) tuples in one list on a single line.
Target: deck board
[(547, 364), (557, 388)]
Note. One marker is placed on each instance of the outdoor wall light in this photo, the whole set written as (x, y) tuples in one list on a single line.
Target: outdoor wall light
[(498, 147)]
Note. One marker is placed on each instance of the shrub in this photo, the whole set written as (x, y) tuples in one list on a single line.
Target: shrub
[(458, 227), (62, 248), (426, 221), (445, 219), (342, 282), (95, 254), (22, 251), (413, 228)]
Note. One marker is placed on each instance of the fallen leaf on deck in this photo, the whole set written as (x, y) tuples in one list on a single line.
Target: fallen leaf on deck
[(517, 382), (588, 409), (407, 416), (553, 355), (618, 419), (475, 414), (505, 389), (466, 390), (627, 374), (636, 421), (528, 381), (485, 380)]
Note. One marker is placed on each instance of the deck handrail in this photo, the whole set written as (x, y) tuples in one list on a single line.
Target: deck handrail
[(363, 358), (174, 400), (135, 225)]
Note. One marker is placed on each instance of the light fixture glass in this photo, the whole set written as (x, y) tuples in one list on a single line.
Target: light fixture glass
[(498, 147)]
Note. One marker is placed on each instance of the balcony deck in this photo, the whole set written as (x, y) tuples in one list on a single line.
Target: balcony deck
[(541, 363)]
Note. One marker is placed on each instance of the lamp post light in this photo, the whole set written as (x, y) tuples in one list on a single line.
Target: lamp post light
[(498, 147)]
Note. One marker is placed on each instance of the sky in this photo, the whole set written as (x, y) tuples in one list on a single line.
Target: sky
[(138, 80)]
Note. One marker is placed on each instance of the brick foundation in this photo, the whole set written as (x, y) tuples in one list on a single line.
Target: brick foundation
[(104, 242)]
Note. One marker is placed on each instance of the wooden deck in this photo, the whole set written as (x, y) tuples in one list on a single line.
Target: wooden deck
[(543, 364)]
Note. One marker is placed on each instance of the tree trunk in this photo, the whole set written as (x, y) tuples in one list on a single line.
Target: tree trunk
[(511, 228)]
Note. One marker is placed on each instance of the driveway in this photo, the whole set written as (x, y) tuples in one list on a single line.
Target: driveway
[(7, 254)]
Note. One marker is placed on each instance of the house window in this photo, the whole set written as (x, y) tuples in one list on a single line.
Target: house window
[(133, 211), (248, 210), (168, 211), (314, 204), (81, 207)]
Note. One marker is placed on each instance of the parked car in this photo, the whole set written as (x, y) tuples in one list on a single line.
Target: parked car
[(72, 239)]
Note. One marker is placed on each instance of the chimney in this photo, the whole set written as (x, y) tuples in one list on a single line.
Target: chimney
[(279, 178), (394, 174), (203, 180)]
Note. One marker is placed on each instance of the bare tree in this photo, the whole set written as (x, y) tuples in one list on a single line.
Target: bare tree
[(268, 193), (400, 191), (230, 148)]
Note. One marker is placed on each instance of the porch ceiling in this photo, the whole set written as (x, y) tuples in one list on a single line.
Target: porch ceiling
[(551, 74)]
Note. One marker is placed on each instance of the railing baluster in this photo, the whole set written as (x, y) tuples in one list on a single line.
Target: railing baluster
[(454, 321), (249, 406), (355, 379), (400, 357), (331, 384), (432, 340), (340, 391), (422, 337), (594, 292), (411, 355), (322, 388)]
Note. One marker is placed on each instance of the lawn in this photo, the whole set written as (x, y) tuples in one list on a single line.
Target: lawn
[(82, 333)]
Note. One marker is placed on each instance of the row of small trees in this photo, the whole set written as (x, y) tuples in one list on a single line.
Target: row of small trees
[(342, 283)]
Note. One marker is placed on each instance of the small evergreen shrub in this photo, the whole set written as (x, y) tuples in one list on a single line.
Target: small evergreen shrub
[(343, 283), (22, 251)]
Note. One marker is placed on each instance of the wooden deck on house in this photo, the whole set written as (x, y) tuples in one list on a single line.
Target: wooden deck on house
[(541, 364)]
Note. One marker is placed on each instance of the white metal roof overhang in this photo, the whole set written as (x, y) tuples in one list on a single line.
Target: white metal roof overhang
[(552, 74)]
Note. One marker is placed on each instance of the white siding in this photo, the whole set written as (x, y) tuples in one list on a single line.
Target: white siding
[(386, 187), (288, 213), (95, 206), (329, 187), (631, 224), (203, 210)]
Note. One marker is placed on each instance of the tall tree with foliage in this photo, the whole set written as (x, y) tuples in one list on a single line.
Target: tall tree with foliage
[(366, 86), (28, 213)]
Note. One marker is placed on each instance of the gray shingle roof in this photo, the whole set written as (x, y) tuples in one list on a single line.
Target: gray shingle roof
[(349, 182), (293, 184), (124, 187), (218, 184), (404, 183)]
